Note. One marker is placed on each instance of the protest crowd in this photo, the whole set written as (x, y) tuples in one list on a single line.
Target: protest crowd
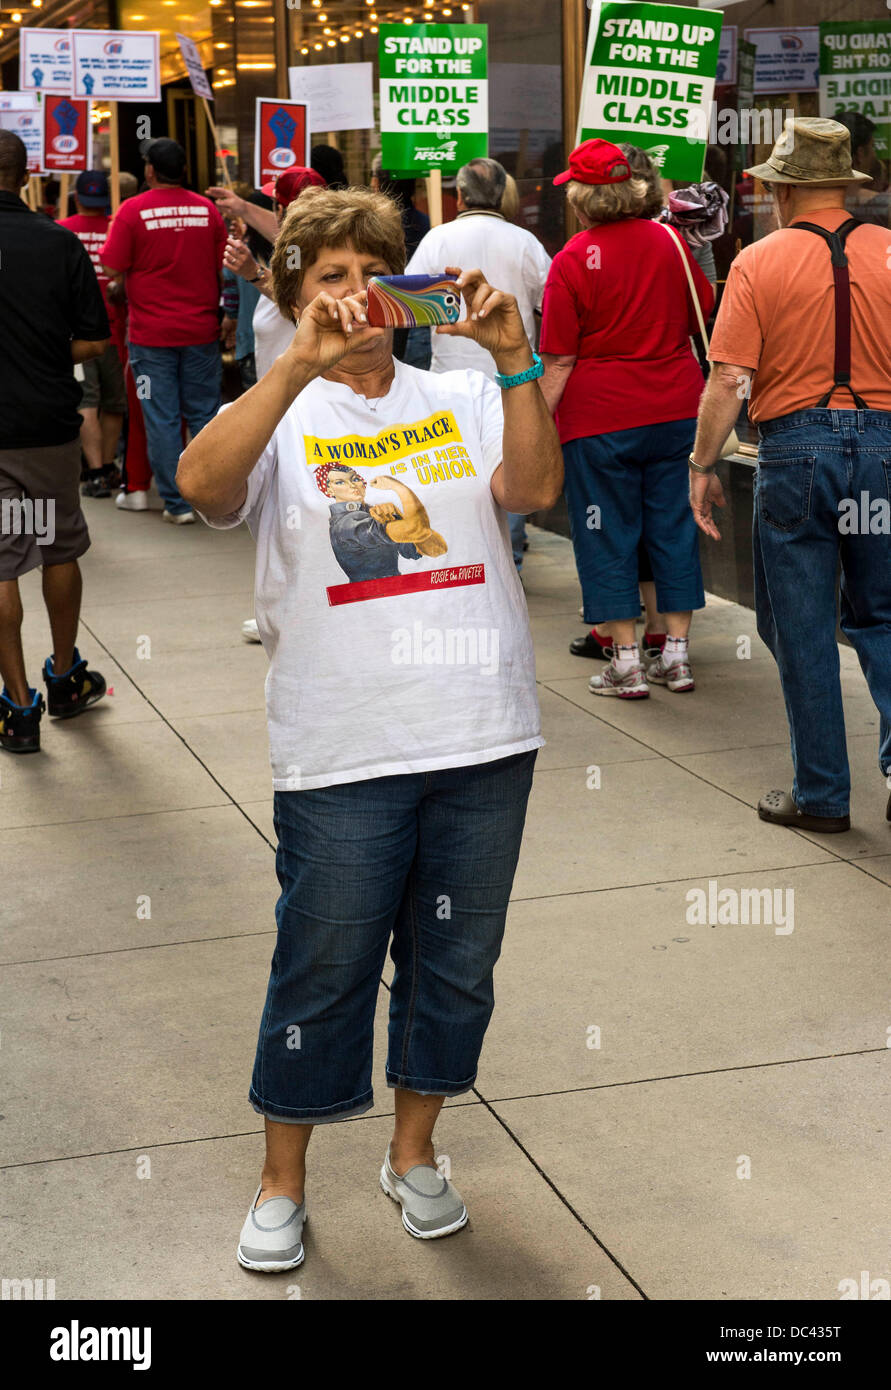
[(232, 353)]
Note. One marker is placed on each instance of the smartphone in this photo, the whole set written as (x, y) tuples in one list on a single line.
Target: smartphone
[(412, 301)]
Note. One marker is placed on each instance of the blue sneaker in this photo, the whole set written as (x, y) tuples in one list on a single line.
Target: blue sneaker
[(74, 691), (20, 724)]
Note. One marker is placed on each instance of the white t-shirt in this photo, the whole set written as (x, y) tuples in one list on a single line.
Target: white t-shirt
[(273, 334), (384, 660), (511, 259)]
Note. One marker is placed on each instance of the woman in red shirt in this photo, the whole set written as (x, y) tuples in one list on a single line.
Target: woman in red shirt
[(622, 378)]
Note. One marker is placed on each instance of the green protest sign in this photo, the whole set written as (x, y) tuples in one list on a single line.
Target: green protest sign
[(855, 73), (434, 106), (649, 78)]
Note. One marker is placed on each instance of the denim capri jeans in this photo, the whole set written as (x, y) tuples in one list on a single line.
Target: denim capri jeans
[(422, 862), (624, 487)]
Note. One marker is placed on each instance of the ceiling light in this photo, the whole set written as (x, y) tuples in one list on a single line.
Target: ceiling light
[(17, 18), (344, 38), (332, 43), (317, 47)]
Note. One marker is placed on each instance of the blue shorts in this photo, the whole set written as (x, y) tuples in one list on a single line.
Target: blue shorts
[(624, 487)]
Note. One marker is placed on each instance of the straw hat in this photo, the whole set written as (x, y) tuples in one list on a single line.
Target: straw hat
[(810, 150)]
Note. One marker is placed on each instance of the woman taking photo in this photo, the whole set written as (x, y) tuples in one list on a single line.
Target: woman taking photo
[(401, 701), (621, 375)]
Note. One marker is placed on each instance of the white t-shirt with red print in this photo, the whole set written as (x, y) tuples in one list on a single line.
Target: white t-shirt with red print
[(384, 659)]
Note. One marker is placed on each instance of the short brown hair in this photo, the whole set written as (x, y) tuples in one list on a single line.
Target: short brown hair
[(324, 217), (609, 202)]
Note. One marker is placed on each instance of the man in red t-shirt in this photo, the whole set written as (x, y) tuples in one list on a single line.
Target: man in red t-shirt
[(103, 377), (169, 243)]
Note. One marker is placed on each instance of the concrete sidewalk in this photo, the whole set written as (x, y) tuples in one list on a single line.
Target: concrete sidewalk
[(727, 1138)]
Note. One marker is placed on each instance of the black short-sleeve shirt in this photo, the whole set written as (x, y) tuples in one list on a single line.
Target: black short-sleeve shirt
[(49, 294)]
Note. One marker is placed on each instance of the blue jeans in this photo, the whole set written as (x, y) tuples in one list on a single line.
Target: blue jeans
[(517, 523), (621, 487), (427, 857), (175, 383), (808, 464)]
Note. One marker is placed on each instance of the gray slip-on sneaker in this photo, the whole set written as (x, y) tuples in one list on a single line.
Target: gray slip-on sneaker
[(430, 1205), (272, 1236)]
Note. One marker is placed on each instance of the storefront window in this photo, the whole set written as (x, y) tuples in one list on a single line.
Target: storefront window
[(525, 97)]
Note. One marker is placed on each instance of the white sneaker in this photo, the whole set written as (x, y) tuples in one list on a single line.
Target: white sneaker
[(146, 500), (179, 518), (249, 630), (132, 501)]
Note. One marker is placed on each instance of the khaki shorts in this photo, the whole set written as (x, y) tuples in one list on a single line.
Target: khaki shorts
[(103, 383), (41, 522)]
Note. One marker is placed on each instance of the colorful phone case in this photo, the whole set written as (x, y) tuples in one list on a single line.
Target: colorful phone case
[(412, 301)]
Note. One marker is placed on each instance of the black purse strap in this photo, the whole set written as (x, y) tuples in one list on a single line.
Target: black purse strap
[(842, 280)]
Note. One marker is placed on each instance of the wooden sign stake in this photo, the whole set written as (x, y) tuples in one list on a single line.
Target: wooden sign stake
[(115, 150), (216, 143), (434, 197)]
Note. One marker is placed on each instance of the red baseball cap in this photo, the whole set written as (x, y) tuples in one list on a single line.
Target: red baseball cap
[(291, 184), (596, 161)]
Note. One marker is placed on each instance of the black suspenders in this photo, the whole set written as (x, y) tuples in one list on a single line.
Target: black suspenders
[(836, 243)]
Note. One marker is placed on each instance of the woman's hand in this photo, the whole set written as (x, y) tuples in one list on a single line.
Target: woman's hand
[(239, 260), (493, 320), (329, 328)]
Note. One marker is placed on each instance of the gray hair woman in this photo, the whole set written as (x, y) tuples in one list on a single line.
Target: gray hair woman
[(400, 696), (625, 385)]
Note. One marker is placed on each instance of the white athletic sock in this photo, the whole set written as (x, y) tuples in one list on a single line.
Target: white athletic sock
[(625, 657), (675, 649)]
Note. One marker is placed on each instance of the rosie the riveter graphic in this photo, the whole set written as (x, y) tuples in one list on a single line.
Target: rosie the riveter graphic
[(367, 541)]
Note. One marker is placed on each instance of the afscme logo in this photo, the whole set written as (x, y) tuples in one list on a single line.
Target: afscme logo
[(113, 46), (436, 153), (62, 45)]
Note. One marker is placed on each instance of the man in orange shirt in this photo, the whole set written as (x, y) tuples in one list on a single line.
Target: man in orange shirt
[(804, 329)]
